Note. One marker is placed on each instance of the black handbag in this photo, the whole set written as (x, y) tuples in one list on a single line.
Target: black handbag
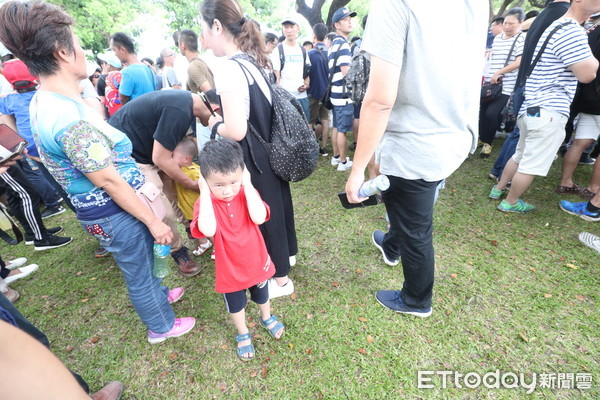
[(491, 91)]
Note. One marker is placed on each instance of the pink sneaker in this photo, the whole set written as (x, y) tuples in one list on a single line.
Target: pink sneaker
[(175, 294), (180, 328)]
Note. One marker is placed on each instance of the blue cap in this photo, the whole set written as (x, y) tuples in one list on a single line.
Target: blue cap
[(342, 13)]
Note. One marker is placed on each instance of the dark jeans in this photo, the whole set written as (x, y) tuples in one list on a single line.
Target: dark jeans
[(49, 196), (506, 152), (409, 204), (34, 332), (490, 118), (55, 184)]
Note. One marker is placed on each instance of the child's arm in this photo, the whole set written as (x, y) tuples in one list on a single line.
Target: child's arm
[(207, 223), (256, 207)]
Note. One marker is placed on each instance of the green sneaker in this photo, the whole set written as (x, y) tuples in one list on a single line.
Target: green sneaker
[(496, 193), (519, 207)]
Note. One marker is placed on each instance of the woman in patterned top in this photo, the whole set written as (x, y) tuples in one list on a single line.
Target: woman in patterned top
[(90, 159)]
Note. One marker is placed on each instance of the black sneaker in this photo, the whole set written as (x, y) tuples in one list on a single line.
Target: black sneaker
[(323, 152), (585, 159), (52, 231), (51, 212), (51, 242)]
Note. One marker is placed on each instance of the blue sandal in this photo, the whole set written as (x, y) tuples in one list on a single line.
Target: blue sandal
[(244, 349), (273, 331)]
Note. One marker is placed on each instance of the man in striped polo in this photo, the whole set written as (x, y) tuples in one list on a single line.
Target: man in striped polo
[(340, 57), (549, 92)]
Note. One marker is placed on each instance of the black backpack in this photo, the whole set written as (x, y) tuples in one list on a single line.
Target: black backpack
[(306, 68), (293, 150)]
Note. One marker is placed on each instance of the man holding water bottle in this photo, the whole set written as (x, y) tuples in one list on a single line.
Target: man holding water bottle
[(421, 115)]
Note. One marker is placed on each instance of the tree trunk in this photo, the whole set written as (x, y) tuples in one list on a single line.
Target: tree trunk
[(313, 14)]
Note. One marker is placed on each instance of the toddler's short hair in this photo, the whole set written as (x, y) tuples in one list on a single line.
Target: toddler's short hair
[(223, 156), (187, 147)]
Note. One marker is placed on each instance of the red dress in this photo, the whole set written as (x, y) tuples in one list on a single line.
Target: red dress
[(241, 257)]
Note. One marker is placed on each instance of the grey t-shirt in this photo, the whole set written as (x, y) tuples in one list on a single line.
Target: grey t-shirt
[(434, 122)]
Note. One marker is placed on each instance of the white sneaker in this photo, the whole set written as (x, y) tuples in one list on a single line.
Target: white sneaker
[(345, 166), (277, 291), (16, 263), (591, 241), (25, 271), (335, 161)]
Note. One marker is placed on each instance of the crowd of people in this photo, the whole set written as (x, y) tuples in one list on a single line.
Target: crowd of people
[(141, 145)]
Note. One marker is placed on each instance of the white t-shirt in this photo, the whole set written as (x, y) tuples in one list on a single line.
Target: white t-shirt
[(434, 122), (293, 68), (230, 78)]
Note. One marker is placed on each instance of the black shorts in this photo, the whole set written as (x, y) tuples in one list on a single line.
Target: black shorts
[(236, 301)]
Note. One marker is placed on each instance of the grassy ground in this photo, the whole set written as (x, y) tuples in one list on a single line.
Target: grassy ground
[(514, 293)]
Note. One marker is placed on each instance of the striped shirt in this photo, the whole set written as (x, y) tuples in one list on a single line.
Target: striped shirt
[(500, 50), (339, 93), (552, 85)]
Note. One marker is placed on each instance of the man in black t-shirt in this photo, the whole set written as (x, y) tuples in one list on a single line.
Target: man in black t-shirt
[(551, 13), (155, 123)]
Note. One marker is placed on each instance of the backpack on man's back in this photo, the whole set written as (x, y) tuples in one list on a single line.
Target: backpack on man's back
[(357, 77)]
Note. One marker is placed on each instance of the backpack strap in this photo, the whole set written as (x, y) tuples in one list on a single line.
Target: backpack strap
[(511, 49), (281, 56), (529, 70)]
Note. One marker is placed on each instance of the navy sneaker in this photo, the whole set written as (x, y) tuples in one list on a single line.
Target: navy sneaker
[(377, 241), (391, 299), (579, 209)]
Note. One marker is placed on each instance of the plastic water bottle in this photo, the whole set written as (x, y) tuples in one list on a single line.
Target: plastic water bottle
[(374, 186), (161, 260)]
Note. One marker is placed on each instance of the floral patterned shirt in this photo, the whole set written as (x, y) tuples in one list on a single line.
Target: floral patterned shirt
[(74, 140)]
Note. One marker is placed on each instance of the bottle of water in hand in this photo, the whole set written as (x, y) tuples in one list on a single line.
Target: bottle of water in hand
[(374, 186), (161, 260)]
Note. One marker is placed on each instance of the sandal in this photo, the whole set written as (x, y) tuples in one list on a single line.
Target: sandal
[(244, 349), (586, 194), (202, 247), (276, 328), (575, 189)]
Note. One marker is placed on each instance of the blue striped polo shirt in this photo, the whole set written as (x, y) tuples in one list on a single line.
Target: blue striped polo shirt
[(552, 85), (339, 93)]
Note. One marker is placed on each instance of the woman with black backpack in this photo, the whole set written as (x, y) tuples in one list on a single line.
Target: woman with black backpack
[(246, 101)]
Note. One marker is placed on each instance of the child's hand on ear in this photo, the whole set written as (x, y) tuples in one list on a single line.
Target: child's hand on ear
[(246, 178), (203, 185)]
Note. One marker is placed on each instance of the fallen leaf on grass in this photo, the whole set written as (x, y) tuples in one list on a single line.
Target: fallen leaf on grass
[(362, 351), (494, 243), (335, 284), (69, 348), (454, 275), (291, 346), (224, 347), (309, 316), (580, 297), (94, 339), (308, 351), (547, 295), (163, 374), (470, 262), (362, 319), (532, 269), (572, 266), (369, 338), (173, 356), (358, 271), (253, 374), (251, 324), (448, 312), (294, 296), (264, 372), (79, 273), (524, 337), (83, 300)]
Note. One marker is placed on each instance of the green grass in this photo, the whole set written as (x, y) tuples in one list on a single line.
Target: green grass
[(504, 299)]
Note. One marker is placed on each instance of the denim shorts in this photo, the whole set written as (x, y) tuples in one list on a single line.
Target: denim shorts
[(343, 117)]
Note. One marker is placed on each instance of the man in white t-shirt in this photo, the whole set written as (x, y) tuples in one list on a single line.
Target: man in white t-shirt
[(549, 91), (420, 112), (291, 64)]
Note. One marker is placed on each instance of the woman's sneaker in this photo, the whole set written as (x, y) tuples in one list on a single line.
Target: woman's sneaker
[(496, 193), (180, 328)]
